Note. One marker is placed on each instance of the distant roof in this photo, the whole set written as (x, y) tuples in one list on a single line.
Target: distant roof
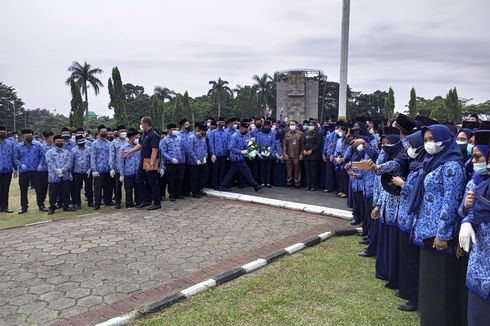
[(92, 114)]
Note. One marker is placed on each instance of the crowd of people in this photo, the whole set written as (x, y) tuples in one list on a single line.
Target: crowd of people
[(419, 189)]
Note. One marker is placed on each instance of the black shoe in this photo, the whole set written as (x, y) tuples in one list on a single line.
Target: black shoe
[(313, 189), (355, 223), (90, 205), (197, 196), (307, 188), (268, 186), (143, 205), (203, 193), (69, 209), (258, 187), (365, 254), (408, 306), (96, 207), (50, 211), (153, 207), (43, 209), (296, 187), (365, 237), (171, 198), (364, 242), (179, 197), (22, 211), (110, 204), (130, 206), (221, 189), (8, 211), (397, 294), (117, 206)]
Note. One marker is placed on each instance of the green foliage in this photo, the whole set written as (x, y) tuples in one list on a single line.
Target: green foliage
[(412, 104), (138, 104), (157, 112), (453, 106), (480, 108), (265, 91), (9, 100), (220, 92), (245, 104), (390, 104), (77, 106), (371, 105), (118, 100)]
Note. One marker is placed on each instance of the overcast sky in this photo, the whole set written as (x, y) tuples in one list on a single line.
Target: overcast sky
[(430, 44)]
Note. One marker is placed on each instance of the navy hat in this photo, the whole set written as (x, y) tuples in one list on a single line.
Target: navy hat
[(171, 126), (405, 123), (55, 138), (485, 125), (470, 125), (426, 121), (48, 133), (391, 131), (121, 127), (133, 133), (80, 139), (65, 129), (101, 127), (243, 124), (2, 128), (388, 185), (26, 131), (202, 127)]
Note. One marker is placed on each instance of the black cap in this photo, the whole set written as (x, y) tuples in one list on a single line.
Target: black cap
[(388, 185), (121, 127), (485, 125), (171, 126), (243, 124), (482, 137), (65, 129), (470, 125), (405, 123), (101, 127), (80, 139), (426, 121), (26, 131), (48, 133), (2, 128), (221, 119), (134, 133), (391, 131), (55, 138), (80, 129)]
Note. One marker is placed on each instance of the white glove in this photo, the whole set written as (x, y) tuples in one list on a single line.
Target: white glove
[(205, 160), (15, 174), (198, 162), (121, 179), (23, 166), (244, 151), (59, 172), (112, 173), (88, 173), (466, 236), (252, 139), (95, 174), (162, 172), (175, 161), (279, 157), (213, 158)]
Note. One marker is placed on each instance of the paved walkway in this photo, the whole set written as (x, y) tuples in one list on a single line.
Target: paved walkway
[(85, 265)]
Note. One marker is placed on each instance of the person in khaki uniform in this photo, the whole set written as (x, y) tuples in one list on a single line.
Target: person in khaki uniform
[(293, 149)]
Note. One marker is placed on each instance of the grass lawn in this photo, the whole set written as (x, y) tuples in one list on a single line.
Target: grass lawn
[(34, 215), (325, 285)]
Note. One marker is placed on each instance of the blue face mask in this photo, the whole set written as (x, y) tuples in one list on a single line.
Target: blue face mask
[(175, 133), (469, 149), (480, 168)]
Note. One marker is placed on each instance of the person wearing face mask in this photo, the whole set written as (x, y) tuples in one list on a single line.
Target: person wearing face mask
[(279, 165), (338, 160), (408, 253), (238, 150), (185, 132), (312, 154), (172, 153), (293, 154), (198, 154), (28, 156), (81, 173), (435, 199), (7, 167), (42, 184), (327, 155), (128, 167), (99, 164), (474, 236), (68, 143), (114, 172), (266, 140), (59, 162), (463, 140), (217, 149)]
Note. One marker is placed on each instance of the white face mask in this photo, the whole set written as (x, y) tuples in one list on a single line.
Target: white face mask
[(136, 141), (252, 127), (274, 127), (208, 124), (412, 153), (433, 147), (123, 135), (292, 127), (360, 147), (141, 127), (461, 142), (339, 133)]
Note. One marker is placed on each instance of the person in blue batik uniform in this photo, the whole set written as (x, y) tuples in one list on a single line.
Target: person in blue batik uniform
[(28, 156), (218, 148), (128, 167), (474, 235), (237, 149), (81, 173), (279, 166), (59, 162), (68, 142), (198, 154), (435, 199), (46, 145), (7, 166), (172, 154), (99, 164), (328, 155), (266, 141), (338, 159), (116, 145)]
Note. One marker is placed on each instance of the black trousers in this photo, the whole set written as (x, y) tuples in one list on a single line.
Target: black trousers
[(342, 180), (25, 180), (218, 171), (5, 179), (163, 185), (330, 179), (175, 178), (151, 180), (187, 180), (130, 190), (409, 268), (80, 179), (199, 177), (238, 166), (42, 186), (358, 209), (117, 189), (103, 189), (59, 190), (312, 168), (265, 171)]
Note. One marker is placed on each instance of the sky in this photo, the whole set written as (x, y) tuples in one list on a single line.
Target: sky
[(431, 45)]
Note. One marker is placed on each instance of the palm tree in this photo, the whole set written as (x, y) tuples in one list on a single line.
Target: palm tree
[(163, 93), (264, 85), (219, 92), (85, 77)]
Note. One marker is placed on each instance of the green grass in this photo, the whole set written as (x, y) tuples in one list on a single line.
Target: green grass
[(325, 285), (34, 215)]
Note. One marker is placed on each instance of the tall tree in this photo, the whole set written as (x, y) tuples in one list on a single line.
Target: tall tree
[(245, 102), (265, 90), (77, 106), (164, 95), (85, 77), (453, 105), (390, 104), (156, 112), (138, 104), (412, 104), (118, 99), (220, 92), (11, 105)]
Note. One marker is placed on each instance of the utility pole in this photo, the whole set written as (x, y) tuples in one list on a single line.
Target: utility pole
[(344, 58), (13, 106)]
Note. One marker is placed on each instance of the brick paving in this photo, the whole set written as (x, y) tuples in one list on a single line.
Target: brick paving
[(85, 270)]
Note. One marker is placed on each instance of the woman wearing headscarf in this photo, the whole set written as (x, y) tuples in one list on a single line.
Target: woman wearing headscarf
[(394, 161), (279, 166), (409, 254), (435, 200), (475, 229), (463, 140)]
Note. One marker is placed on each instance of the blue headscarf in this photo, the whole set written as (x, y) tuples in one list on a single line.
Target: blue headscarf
[(450, 152), (416, 141), (481, 207), (467, 132)]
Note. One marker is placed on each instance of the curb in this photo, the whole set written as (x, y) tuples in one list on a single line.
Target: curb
[(224, 277), (294, 206)]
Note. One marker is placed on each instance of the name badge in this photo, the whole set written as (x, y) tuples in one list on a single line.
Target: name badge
[(294, 142)]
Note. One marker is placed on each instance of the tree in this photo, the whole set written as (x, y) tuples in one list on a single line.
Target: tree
[(265, 91), (163, 94), (245, 103), (118, 99), (10, 105), (77, 106), (85, 77), (412, 104), (156, 112), (219, 92), (138, 104), (453, 105), (390, 104), (370, 105)]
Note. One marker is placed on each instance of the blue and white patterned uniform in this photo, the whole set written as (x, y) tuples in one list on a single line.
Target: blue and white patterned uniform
[(238, 142), (405, 219), (27, 158), (172, 147), (115, 152), (42, 165), (128, 166), (70, 145), (58, 159), (7, 152), (99, 159), (267, 140), (388, 202), (198, 149), (81, 159), (217, 143)]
